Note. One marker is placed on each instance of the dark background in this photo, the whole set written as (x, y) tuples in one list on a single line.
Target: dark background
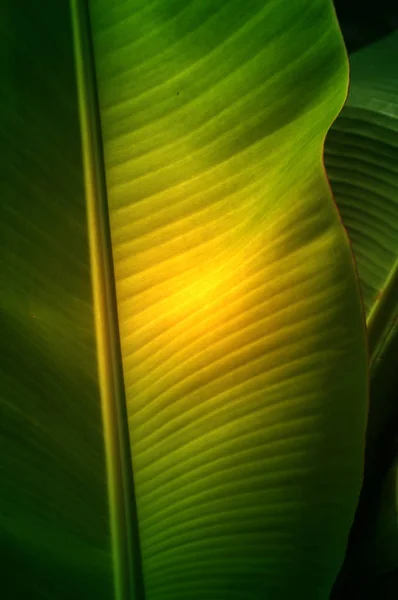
[(365, 21)]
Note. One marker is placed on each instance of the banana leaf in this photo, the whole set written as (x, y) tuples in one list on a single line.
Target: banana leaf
[(54, 516), (184, 381), (361, 154)]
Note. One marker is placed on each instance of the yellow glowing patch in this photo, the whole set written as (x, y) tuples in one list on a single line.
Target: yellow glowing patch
[(197, 294)]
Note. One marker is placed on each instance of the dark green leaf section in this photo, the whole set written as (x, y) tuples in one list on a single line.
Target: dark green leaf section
[(361, 157), (54, 525), (373, 542)]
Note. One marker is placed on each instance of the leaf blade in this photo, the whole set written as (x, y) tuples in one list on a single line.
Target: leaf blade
[(195, 241), (361, 154)]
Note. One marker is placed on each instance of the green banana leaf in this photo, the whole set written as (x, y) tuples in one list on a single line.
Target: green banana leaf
[(54, 516), (361, 157), (184, 382)]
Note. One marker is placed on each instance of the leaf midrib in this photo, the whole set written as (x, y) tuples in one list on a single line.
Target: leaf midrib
[(126, 554)]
